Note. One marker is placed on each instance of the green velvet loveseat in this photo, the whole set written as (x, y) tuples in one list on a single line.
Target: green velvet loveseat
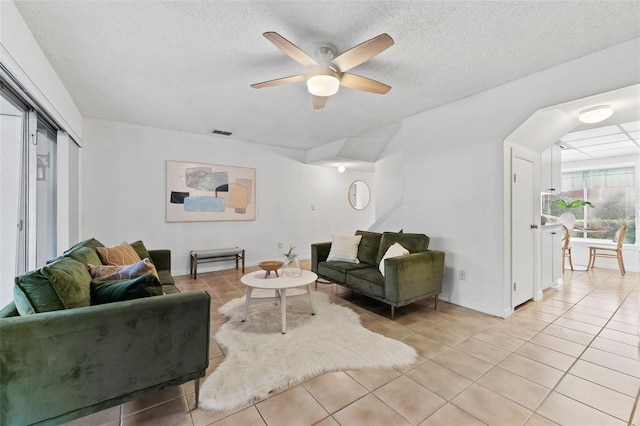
[(407, 278), (59, 362)]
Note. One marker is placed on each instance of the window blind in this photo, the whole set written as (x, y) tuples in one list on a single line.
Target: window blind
[(619, 177)]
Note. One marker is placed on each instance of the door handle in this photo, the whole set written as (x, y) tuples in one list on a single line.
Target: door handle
[(534, 226)]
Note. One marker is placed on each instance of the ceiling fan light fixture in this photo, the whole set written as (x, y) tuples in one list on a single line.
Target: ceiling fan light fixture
[(328, 73), (323, 85), (595, 114)]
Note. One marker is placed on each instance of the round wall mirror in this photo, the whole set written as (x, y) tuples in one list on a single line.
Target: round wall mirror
[(359, 195)]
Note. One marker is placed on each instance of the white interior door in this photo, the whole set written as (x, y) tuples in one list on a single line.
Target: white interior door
[(523, 226)]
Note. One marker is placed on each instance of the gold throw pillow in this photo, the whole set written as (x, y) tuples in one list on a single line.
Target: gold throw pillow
[(123, 254)]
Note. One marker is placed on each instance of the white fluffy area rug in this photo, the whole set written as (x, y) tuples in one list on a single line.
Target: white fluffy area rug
[(261, 359)]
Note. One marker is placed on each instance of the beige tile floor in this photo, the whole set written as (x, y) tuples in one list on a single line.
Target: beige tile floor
[(571, 358)]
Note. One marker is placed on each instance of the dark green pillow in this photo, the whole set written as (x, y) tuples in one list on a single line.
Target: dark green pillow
[(91, 243), (85, 255), (115, 291), (415, 243), (33, 294), (368, 247), (70, 279), (141, 250)]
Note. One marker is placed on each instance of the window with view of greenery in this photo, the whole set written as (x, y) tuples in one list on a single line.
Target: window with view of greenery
[(613, 193)]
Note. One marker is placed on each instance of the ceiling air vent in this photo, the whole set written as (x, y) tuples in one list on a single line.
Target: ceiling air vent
[(221, 132)]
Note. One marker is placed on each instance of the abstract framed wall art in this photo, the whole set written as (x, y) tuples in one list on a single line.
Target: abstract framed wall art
[(209, 192)]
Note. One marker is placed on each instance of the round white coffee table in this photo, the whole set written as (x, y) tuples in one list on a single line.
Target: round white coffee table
[(257, 279)]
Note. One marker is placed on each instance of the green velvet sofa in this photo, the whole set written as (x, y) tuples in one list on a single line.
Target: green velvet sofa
[(59, 364), (407, 278)]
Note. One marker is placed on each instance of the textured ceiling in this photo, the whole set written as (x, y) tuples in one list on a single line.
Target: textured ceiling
[(187, 65)]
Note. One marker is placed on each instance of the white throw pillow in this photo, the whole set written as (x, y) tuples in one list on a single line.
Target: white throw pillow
[(344, 248), (393, 251)]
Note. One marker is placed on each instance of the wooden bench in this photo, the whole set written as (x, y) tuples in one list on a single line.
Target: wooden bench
[(215, 255)]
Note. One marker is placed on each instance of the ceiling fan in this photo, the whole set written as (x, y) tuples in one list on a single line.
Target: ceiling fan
[(327, 74)]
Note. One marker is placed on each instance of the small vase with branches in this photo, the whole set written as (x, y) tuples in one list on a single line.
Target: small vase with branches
[(292, 266)]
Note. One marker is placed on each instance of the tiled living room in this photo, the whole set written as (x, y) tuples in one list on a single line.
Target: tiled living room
[(461, 122), (570, 358)]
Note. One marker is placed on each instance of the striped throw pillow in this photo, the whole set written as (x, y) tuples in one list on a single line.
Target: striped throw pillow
[(344, 248)]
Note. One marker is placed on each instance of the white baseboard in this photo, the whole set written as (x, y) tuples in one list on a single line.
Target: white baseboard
[(469, 304)]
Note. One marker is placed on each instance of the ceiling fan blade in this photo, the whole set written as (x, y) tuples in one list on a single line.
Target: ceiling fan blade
[(290, 49), (358, 82), (318, 101), (279, 81), (363, 52)]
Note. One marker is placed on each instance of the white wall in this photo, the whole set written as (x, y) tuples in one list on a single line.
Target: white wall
[(389, 183), (123, 194), (453, 167)]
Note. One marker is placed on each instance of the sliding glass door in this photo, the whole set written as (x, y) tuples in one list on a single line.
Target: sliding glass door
[(13, 130), (27, 190), (45, 216)]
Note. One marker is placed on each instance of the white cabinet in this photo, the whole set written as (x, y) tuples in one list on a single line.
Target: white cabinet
[(550, 169), (551, 255)]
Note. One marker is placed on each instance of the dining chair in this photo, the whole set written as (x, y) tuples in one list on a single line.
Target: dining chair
[(566, 248), (611, 252)]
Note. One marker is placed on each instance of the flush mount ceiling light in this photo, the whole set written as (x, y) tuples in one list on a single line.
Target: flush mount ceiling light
[(595, 114), (341, 168)]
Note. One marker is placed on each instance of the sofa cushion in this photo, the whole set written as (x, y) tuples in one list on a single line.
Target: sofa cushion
[(393, 251), (122, 254), (368, 247), (170, 289), (33, 294), (103, 291), (123, 272), (165, 277), (9, 311), (85, 255), (337, 271), (344, 248), (367, 280), (70, 280), (415, 243)]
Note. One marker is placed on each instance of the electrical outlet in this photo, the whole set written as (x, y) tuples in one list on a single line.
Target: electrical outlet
[(279, 245), (462, 275)]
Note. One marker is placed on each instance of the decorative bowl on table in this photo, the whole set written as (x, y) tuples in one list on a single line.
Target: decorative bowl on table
[(271, 265)]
